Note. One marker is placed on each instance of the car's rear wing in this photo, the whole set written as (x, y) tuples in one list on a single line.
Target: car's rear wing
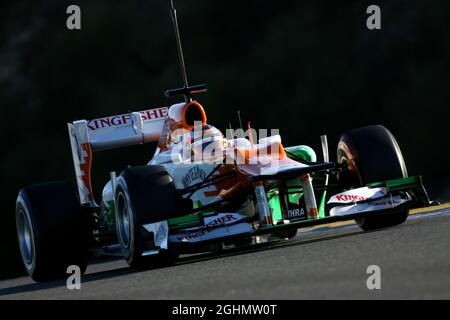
[(87, 136)]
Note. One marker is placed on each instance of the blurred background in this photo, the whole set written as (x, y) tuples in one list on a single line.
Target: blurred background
[(304, 67)]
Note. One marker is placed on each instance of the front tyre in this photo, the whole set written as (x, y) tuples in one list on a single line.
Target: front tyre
[(51, 230), (144, 195), (372, 154)]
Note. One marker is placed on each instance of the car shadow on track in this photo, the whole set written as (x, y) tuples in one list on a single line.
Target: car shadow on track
[(103, 275), (62, 283), (253, 248)]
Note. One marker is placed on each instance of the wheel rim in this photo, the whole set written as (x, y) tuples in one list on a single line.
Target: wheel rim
[(26, 241), (124, 224), (345, 156)]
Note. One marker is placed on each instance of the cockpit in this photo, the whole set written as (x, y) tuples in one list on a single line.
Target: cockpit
[(187, 137)]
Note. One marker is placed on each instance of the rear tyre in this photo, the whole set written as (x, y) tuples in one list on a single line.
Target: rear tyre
[(51, 230), (145, 195), (372, 154)]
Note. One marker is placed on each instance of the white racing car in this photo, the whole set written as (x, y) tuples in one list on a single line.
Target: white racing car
[(204, 191)]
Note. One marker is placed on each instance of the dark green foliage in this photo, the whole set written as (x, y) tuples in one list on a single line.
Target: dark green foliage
[(306, 67)]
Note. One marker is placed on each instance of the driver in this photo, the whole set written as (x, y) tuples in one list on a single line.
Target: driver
[(206, 142)]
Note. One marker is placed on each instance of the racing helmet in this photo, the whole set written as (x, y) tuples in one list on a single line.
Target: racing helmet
[(206, 141)]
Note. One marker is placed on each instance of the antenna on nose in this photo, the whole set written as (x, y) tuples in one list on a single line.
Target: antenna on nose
[(187, 91)]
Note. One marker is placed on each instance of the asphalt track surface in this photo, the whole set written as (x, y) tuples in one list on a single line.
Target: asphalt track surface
[(320, 263)]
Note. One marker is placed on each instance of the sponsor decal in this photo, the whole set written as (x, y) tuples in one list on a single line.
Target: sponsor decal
[(220, 232), (349, 197), (125, 119), (296, 213), (221, 220), (385, 202), (195, 173), (374, 205), (204, 229), (359, 194), (191, 236)]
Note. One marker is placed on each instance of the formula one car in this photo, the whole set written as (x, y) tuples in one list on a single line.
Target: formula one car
[(202, 191)]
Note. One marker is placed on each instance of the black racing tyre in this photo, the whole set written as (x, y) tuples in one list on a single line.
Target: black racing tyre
[(144, 195), (51, 230), (372, 154)]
